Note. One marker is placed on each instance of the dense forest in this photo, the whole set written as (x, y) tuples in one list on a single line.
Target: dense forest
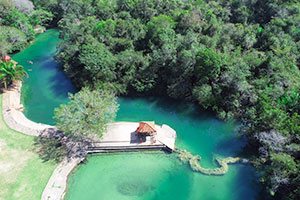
[(237, 58), (18, 20)]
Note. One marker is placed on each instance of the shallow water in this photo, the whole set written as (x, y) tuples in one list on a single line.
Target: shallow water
[(140, 175)]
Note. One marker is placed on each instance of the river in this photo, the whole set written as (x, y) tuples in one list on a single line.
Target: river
[(140, 175)]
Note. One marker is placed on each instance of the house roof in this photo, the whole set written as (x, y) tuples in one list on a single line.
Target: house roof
[(146, 127), (7, 58)]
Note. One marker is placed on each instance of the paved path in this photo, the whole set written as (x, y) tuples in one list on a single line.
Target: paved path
[(16, 120), (57, 185), (13, 115)]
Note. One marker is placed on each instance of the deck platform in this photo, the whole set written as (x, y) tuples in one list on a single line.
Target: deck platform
[(122, 136)]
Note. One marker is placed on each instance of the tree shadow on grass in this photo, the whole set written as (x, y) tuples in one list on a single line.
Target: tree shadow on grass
[(50, 149)]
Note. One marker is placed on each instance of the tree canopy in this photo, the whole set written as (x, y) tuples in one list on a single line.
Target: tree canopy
[(87, 113), (18, 18), (237, 58)]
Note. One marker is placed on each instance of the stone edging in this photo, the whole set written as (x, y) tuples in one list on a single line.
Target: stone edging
[(13, 115), (57, 184), (16, 120)]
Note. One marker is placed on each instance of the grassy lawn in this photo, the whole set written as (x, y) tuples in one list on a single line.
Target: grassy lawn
[(23, 174)]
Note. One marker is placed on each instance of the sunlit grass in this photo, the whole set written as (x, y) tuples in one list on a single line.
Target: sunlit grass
[(23, 174)]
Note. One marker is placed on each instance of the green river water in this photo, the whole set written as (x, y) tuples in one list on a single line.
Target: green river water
[(140, 175)]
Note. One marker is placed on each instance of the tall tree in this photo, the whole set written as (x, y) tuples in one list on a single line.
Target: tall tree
[(87, 113)]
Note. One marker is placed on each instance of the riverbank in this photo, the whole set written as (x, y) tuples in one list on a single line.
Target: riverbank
[(124, 174), (16, 120), (122, 134), (13, 115)]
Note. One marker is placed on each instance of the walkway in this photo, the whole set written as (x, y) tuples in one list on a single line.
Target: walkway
[(13, 115), (16, 120), (123, 136)]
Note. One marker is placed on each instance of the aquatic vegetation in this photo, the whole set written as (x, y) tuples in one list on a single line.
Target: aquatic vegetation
[(134, 188), (194, 162)]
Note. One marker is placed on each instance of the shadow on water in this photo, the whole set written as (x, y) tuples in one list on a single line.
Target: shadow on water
[(172, 106), (231, 146), (60, 84), (247, 184)]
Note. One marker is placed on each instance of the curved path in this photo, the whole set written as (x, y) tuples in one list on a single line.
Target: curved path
[(16, 120), (13, 115)]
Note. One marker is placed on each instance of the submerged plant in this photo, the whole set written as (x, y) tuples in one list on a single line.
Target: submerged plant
[(194, 162)]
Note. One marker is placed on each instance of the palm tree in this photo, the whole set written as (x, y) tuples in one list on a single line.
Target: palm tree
[(9, 72)]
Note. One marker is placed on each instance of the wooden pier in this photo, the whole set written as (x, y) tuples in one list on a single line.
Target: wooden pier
[(106, 149), (122, 136)]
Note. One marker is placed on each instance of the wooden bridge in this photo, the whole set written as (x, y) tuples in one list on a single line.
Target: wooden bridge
[(105, 149)]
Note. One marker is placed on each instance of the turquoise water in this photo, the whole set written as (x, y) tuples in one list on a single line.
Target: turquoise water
[(46, 87), (140, 175)]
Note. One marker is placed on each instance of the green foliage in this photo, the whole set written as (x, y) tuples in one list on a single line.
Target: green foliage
[(105, 27), (239, 59), (9, 72), (11, 40), (17, 21), (270, 114), (128, 63), (87, 113), (98, 62), (5, 5), (208, 64), (5, 46), (105, 9), (204, 95), (41, 17), (161, 30), (293, 125), (161, 22), (290, 101)]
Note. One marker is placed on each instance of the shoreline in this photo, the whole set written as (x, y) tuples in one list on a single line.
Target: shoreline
[(57, 185), (13, 115), (56, 188)]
